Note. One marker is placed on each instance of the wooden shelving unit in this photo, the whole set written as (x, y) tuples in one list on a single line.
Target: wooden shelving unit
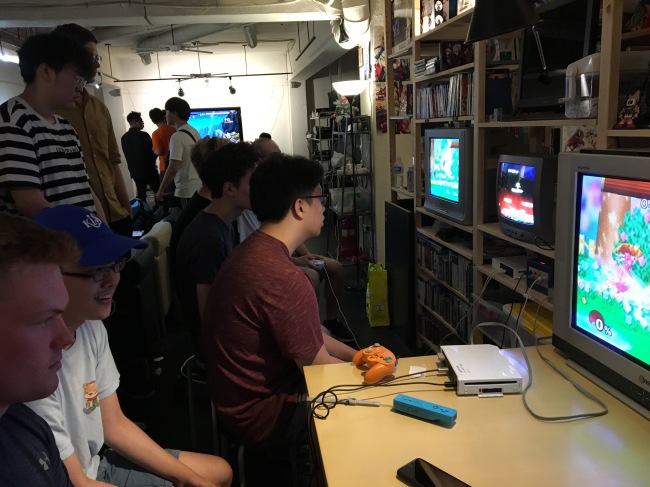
[(485, 236)]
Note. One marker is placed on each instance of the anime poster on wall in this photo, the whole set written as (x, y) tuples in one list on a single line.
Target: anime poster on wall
[(365, 62), (381, 110), (379, 50)]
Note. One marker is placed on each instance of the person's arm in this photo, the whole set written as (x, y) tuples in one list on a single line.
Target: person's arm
[(77, 475), (98, 206), (202, 291), (122, 435), (303, 251), (115, 158), (29, 201), (170, 173), (156, 143), (338, 349), (322, 357)]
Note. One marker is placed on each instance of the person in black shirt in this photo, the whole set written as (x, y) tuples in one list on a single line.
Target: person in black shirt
[(33, 337), (138, 150)]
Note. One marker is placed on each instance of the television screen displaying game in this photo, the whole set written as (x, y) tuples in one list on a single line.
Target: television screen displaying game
[(217, 122), (611, 270), (516, 192), (445, 168)]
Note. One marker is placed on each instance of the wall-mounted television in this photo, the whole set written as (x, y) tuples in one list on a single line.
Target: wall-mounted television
[(448, 178), (526, 197), (569, 32), (601, 317), (218, 122)]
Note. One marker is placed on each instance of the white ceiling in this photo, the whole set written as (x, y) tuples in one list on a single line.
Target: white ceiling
[(125, 24)]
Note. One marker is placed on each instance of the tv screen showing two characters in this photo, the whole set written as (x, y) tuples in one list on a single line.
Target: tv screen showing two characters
[(612, 272), (224, 123)]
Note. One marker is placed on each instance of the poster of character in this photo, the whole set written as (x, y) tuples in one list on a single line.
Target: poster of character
[(379, 50), (401, 70), (381, 111), (365, 62), (402, 24), (576, 137), (433, 13), (403, 99)]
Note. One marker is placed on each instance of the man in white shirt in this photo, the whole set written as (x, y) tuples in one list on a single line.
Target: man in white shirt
[(84, 411), (180, 170)]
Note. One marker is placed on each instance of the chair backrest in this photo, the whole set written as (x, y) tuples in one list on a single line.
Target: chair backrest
[(158, 237)]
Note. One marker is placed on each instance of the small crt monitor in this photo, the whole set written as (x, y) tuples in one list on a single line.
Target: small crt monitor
[(526, 190), (448, 166)]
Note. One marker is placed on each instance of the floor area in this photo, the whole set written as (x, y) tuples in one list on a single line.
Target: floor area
[(166, 415)]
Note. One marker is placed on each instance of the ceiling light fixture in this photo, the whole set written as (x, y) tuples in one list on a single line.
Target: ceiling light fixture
[(231, 88), (181, 93)]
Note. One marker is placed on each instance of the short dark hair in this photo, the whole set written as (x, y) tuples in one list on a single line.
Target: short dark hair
[(79, 34), (133, 116), (54, 50), (228, 164), (279, 181), (204, 149), (180, 106), (157, 115), (264, 135)]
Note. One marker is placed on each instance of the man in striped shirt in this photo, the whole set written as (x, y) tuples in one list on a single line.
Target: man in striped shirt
[(41, 163)]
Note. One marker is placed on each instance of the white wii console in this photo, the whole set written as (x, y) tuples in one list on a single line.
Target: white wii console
[(481, 370)]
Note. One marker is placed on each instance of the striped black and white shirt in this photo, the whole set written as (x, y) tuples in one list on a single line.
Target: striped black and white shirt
[(35, 153)]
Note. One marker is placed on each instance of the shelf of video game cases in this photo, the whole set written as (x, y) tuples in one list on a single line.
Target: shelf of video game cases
[(449, 268), (451, 311)]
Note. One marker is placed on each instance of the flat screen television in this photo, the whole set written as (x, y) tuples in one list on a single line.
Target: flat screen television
[(218, 122), (601, 316), (569, 32), (526, 197), (448, 178)]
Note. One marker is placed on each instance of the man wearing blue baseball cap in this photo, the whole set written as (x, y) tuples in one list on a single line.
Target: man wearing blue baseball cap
[(84, 412)]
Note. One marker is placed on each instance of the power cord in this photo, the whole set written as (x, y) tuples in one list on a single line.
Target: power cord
[(582, 390), (338, 304), (476, 301)]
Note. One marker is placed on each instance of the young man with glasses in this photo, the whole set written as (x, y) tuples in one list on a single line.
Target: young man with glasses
[(33, 336), (41, 162), (261, 324), (92, 121), (84, 411)]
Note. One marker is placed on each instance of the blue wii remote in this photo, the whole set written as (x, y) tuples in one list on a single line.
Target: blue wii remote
[(426, 410)]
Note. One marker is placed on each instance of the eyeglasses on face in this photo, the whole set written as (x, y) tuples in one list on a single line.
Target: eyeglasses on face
[(324, 198), (96, 58), (80, 80), (100, 274)]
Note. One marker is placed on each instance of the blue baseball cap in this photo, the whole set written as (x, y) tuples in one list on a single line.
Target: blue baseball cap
[(99, 245)]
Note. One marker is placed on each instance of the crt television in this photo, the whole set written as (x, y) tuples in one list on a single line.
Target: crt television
[(601, 316), (448, 178), (526, 197), (569, 32), (218, 122)]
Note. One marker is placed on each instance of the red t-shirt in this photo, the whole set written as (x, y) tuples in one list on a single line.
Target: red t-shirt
[(260, 315), (160, 140)]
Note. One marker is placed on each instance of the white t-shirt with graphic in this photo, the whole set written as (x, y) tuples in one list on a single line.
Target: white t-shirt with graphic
[(88, 374)]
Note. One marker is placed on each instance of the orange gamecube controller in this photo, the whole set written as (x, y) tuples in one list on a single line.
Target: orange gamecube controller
[(379, 361)]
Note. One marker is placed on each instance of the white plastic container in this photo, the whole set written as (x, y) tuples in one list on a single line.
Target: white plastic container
[(582, 81)]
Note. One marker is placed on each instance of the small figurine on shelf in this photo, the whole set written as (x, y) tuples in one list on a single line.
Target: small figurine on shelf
[(630, 111)]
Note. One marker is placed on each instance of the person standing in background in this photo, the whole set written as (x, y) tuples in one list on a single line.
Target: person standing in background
[(41, 163), (137, 148), (160, 137), (180, 169), (92, 121)]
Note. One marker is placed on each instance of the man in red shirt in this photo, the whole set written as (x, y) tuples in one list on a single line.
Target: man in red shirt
[(261, 324), (160, 137)]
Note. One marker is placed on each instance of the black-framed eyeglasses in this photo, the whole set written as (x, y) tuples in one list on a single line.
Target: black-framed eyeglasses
[(99, 274), (324, 198)]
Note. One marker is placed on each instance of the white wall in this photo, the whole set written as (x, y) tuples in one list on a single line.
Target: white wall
[(11, 84), (264, 100)]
